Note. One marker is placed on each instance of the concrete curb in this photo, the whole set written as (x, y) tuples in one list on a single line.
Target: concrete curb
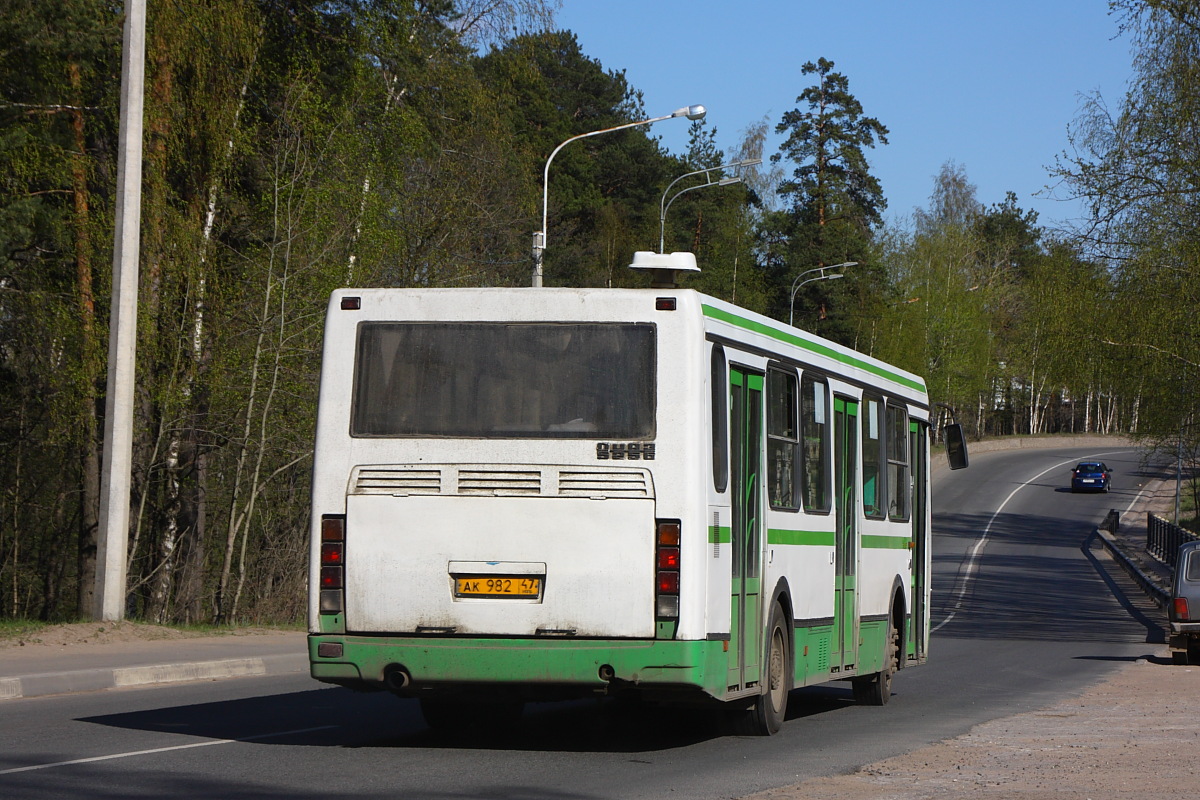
[(92, 680)]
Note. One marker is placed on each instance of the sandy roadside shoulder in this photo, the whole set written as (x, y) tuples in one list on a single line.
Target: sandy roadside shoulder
[(1137, 735)]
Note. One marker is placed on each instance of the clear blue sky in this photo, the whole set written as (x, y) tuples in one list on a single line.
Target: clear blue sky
[(989, 85)]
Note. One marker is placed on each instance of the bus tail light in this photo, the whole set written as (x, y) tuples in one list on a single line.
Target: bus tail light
[(333, 563), (666, 552), (1181, 609)]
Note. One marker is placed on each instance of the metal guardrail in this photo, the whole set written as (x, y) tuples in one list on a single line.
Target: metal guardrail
[(1163, 538), (1153, 588)]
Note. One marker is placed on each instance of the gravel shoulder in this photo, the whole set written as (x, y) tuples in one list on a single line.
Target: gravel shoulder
[(1134, 736)]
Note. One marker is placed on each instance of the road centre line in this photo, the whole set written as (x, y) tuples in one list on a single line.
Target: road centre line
[(977, 548), (154, 750)]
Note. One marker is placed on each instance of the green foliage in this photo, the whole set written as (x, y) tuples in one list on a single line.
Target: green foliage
[(1016, 323), (1137, 164), (57, 120), (601, 193), (293, 147)]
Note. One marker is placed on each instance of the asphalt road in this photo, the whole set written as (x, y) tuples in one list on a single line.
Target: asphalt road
[(1023, 617)]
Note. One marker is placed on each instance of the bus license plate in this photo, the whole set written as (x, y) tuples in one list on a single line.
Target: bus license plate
[(497, 586)]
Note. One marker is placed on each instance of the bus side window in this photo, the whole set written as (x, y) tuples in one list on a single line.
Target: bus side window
[(782, 439), (720, 420), (898, 463), (815, 435), (873, 487)]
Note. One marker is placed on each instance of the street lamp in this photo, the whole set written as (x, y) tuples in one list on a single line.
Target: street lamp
[(539, 238), (798, 284), (664, 204)]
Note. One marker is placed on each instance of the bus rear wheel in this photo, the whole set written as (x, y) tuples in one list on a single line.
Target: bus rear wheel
[(876, 690), (765, 717)]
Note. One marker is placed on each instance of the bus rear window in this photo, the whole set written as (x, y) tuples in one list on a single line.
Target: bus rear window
[(504, 380)]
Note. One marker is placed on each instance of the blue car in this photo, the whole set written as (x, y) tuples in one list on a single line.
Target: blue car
[(1090, 476)]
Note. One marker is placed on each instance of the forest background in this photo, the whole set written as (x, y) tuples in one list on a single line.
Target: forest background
[(293, 146)]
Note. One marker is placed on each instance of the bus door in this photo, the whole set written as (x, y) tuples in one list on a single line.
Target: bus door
[(918, 444), (746, 487), (845, 617)]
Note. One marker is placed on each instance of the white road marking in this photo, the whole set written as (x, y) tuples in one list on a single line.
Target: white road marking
[(151, 751), (973, 560)]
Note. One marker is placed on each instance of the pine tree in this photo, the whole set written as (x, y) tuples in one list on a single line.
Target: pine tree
[(834, 203)]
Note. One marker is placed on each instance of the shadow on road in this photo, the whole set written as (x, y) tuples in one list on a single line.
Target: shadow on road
[(336, 717)]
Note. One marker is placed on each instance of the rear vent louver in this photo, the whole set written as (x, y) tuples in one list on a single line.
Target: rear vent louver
[(602, 484), (398, 480), (485, 480), (499, 482)]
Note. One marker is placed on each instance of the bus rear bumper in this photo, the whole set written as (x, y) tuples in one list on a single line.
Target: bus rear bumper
[(533, 667)]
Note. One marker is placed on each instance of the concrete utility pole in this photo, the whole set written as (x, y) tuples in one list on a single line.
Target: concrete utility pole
[(113, 540)]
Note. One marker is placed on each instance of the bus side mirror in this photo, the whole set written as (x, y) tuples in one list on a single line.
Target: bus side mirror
[(956, 446)]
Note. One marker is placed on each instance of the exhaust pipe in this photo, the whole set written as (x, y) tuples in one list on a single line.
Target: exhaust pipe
[(397, 678), (607, 673)]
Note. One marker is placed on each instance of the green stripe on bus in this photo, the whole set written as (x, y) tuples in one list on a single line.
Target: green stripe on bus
[(810, 538), (814, 347), (886, 542), (722, 535)]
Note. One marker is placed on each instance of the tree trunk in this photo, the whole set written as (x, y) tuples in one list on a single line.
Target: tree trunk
[(89, 349), (151, 397)]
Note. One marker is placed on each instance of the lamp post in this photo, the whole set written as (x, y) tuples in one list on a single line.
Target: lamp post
[(112, 541), (664, 204), (539, 238), (798, 284)]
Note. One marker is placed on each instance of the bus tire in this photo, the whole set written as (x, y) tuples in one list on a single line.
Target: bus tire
[(765, 717), (876, 689)]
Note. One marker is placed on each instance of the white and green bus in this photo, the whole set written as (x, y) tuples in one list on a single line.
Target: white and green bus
[(530, 494)]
